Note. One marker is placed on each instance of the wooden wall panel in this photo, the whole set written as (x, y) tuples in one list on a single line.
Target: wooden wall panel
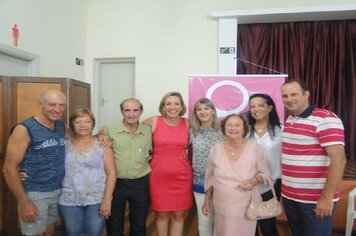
[(1, 155), (1, 197), (1, 128), (27, 98), (79, 97)]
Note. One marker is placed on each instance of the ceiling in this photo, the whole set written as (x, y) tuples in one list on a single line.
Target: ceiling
[(273, 15)]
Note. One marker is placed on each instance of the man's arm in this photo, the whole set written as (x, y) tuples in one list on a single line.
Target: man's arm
[(16, 148), (325, 203)]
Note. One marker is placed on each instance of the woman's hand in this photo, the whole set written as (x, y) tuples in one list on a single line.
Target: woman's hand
[(248, 185), (206, 208), (105, 209)]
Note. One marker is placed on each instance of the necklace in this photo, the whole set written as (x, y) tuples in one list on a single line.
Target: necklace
[(234, 151), (261, 129), (234, 155)]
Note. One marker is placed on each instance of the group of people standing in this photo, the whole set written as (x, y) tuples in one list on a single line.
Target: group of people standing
[(147, 164)]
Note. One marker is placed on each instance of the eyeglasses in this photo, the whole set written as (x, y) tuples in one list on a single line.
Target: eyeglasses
[(82, 122)]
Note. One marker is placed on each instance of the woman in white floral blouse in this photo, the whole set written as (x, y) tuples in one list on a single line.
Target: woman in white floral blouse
[(205, 131)]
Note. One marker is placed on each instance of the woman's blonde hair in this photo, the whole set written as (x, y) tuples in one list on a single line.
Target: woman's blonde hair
[(172, 94), (195, 123)]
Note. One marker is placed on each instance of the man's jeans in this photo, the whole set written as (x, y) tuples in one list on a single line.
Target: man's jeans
[(303, 221), (136, 192)]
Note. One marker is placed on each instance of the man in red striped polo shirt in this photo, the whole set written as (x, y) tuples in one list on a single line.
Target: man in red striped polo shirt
[(313, 162)]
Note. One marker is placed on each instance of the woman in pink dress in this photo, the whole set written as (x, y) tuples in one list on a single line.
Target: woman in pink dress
[(171, 175), (234, 168)]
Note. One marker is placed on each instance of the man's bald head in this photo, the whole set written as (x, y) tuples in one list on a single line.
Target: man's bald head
[(45, 95), (53, 103)]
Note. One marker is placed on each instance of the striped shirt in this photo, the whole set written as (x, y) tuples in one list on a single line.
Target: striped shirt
[(305, 162)]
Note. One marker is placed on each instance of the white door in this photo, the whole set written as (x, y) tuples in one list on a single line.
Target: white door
[(116, 83)]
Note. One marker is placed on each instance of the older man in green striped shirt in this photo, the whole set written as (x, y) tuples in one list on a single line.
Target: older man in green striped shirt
[(132, 145)]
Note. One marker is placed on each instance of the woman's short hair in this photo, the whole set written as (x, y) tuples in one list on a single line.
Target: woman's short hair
[(244, 121), (172, 94), (80, 113)]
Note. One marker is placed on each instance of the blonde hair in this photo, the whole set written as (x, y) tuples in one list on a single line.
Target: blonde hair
[(195, 123), (172, 94)]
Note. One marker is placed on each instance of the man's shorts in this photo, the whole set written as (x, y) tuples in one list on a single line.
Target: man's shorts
[(47, 204)]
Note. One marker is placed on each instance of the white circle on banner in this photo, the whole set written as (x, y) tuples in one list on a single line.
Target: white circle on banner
[(243, 90)]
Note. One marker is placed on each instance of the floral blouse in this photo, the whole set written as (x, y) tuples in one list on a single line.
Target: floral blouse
[(201, 143)]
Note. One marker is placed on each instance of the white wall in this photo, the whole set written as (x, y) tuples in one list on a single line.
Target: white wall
[(52, 29), (168, 38)]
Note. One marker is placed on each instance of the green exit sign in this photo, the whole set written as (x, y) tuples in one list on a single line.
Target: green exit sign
[(227, 50)]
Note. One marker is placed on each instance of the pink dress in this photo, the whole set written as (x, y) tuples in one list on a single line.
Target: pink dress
[(229, 200), (171, 175)]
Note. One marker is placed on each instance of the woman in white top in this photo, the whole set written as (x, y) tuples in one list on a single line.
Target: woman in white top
[(266, 130)]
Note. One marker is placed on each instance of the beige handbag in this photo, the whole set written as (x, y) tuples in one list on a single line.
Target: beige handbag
[(258, 210)]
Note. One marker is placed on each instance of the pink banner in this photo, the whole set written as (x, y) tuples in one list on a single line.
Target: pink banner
[(230, 94)]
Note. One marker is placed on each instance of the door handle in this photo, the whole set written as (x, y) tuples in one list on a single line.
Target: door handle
[(102, 101)]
